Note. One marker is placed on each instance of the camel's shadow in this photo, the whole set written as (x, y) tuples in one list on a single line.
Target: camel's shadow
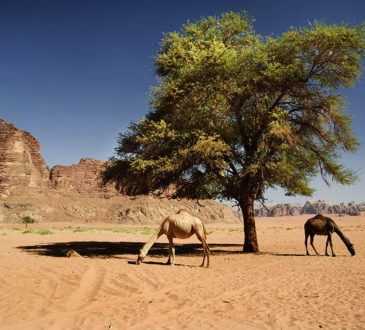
[(95, 249)]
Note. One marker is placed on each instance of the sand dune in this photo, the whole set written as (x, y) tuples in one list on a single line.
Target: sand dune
[(280, 288)]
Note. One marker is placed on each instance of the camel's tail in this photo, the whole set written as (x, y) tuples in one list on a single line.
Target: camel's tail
[(347, 242)]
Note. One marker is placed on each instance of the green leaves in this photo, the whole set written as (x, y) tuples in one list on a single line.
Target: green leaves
[(27, 219), (236, 112)]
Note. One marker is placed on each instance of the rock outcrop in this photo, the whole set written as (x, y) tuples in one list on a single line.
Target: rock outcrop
[(82, 179), (315, 207), (22, 168), (361, 207), (74, 193), (310, 207), (278, 210), (141, 210)]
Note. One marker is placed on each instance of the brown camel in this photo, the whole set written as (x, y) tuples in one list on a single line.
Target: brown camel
[(320, 225), (180, 225)]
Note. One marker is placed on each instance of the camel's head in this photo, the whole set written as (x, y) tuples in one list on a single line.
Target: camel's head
[(140, 258), (350, 247)]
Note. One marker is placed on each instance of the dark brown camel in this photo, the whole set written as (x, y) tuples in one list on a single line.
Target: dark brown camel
[(320, 225)]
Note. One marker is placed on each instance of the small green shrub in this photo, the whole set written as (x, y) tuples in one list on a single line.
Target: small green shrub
[(39, 231), (81, 229), (105, 229), (44, 231), (147, 231), (11, 228), (27, 220), (28, 231)]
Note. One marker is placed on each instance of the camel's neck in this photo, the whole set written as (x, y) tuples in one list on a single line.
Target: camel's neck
[(150, 242), (342, 236)]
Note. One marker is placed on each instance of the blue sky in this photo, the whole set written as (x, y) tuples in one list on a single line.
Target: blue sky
[(76, 73)]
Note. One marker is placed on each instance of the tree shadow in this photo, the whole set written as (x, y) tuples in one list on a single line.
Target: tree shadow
[(96, 249)]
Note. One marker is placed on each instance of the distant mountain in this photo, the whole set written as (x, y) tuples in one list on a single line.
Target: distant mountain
[(310, 207)]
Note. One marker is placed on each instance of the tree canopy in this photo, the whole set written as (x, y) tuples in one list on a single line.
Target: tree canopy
[(236, 113)]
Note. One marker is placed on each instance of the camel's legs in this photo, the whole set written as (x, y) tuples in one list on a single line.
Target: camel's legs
[(204, 255), (205, 249), (306, 243), (329, 240), (312, 237), (171, 259), (207, 252)]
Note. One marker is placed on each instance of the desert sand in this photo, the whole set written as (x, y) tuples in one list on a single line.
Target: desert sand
[(280, 288)]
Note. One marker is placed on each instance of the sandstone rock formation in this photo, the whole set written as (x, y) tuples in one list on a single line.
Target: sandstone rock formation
[(141, 210), (315, 207), (310, 207), (73, 193), (22, 167), (278, 210), (361, 207), (82, 179)]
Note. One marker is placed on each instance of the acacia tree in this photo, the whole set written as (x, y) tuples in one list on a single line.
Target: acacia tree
[(27, 219), (236, 113)]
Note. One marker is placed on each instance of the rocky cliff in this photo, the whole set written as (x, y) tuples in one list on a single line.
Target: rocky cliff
[(310, 207), (82, 179), (22, 167), (73, 193), (278, 210), (141, 210), (315, 207)]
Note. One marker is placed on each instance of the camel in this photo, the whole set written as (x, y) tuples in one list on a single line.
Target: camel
[(183, 224), (320, 225)]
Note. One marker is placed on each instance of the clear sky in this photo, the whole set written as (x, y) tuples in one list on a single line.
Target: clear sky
[(76, 73)]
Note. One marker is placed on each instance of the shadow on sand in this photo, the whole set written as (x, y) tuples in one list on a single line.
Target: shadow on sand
[(94, 249), (283, 254)]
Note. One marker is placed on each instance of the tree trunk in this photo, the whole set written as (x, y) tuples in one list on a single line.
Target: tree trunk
[(247, 207)]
